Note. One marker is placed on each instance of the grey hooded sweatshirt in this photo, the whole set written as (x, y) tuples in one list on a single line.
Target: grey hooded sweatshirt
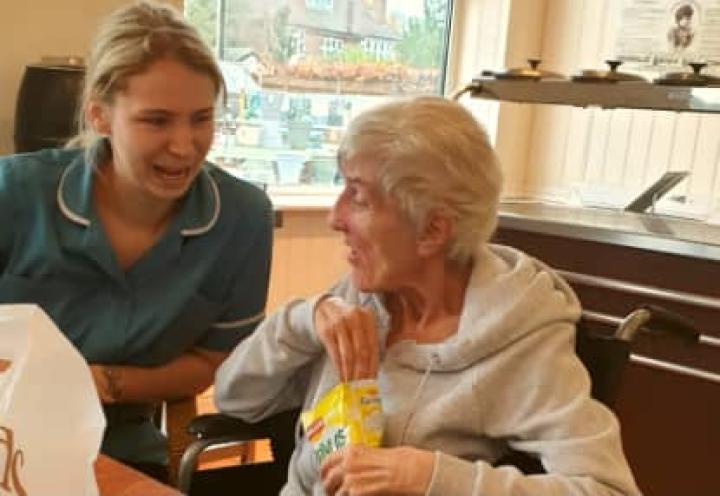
[(509, 377)]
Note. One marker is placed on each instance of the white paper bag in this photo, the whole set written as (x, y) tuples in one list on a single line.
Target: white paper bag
[(51, 421)]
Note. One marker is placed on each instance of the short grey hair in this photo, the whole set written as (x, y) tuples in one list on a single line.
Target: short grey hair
[(434, 155)]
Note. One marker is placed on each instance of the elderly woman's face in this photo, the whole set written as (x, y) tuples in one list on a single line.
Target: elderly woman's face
[(383, 242)]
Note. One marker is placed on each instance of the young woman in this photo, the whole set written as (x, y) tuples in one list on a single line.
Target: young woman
[(151, 261)]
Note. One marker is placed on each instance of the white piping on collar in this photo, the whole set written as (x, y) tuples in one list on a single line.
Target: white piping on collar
[(78, 219), (196, 231)]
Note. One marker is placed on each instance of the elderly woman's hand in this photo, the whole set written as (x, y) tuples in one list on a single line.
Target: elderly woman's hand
[(350, 338), (359, 470)]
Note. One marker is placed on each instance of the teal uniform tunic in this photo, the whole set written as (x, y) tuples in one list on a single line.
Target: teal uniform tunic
[(203, 284)]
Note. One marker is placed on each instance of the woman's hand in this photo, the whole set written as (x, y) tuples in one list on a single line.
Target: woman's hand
[(106, 390), (186, 375), (350, 338), (359, 471)]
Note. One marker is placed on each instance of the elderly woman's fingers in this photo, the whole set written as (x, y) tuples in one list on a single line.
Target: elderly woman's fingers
[(345, 350), (349, 336), (362, 338), (332, 473), (358, 338), (364, 470), (374, 345), (327, 312), (366, 346), (327, 319), (340, 349)]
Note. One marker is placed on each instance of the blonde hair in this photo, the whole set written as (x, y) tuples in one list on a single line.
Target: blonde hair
[(127, 42), (434, 155)]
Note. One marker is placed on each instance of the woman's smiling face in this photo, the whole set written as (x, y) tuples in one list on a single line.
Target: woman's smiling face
[(160, 126), (383, 242)]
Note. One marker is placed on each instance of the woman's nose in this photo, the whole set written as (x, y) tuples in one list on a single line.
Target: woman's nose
[(182, 141), (335, 216)]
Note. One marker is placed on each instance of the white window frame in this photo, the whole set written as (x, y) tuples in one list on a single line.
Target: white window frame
[(322, 5), (330, 45), (299, 45)]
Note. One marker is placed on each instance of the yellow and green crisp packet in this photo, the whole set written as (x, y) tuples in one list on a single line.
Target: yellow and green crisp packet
[(350, 413)]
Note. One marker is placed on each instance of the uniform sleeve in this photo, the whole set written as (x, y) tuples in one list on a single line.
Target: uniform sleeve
[(553, 417), (7, 217), (245, 305)]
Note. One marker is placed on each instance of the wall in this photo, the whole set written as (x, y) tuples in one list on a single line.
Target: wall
[(570, 154), (612, 152), (308, 257), (494, 34), (36, 28), (526, 26)]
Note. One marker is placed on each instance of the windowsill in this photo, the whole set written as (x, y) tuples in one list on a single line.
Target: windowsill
[(298, 196), (303, 197)]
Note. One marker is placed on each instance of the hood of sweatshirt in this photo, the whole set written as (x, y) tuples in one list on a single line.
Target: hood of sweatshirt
[(509, 295)]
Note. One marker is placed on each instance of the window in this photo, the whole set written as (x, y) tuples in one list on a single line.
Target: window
[(298, 71), (297, 42), (319, 4), (380, 49), (330, 46)]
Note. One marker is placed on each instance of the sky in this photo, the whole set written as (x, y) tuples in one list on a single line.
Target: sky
[(409, 7)]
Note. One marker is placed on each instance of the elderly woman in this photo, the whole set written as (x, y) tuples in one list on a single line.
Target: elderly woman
[(472, 344)]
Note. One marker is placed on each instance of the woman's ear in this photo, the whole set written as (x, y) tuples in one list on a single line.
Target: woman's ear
[(98, 115), (436, 233)]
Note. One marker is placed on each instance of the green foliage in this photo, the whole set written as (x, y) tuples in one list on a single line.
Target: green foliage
[(353, 54), (236, 34), (279, 37), (203, 15), (423, 40)]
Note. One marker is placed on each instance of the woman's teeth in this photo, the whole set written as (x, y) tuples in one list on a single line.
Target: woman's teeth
[(171, 173)]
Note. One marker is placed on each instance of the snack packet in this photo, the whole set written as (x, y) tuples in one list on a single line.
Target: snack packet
[(350, 413)]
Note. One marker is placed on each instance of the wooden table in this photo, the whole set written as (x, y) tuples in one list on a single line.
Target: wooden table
[(116, 479)]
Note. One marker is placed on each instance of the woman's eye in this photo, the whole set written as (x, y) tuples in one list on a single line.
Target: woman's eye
[(202, 118), (154, 121), (354, 197)]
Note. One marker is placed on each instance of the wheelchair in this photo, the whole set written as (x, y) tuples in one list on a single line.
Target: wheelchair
[(605, 356)]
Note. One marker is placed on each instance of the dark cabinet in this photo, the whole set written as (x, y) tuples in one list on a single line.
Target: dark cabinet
[(669, 405)]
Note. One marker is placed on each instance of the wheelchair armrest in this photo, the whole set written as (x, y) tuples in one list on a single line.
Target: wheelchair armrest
[(672, 322), (655, 318), (217, 429), (218, 425)]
